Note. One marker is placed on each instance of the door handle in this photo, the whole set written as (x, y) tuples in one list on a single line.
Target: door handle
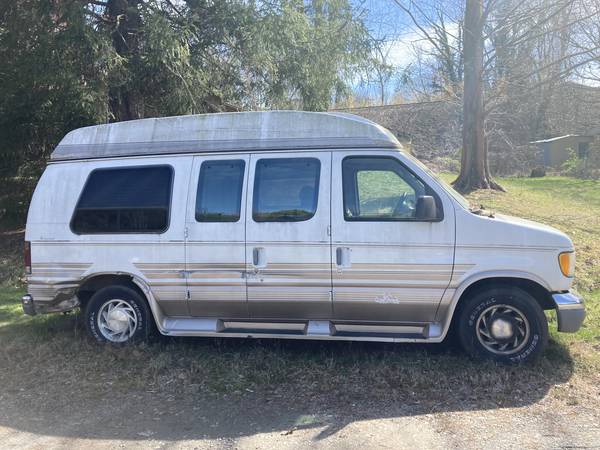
[(342, 257), (259, 257)]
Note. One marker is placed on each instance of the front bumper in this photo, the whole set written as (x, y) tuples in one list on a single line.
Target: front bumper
[(570, 311)]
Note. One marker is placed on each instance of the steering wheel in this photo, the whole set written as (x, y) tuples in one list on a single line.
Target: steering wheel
[(405, 206)]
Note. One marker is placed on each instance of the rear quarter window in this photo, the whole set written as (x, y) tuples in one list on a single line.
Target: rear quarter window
[(125, 200)]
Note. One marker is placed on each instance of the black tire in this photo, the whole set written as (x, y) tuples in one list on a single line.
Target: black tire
[(139, 320), (503, 310)]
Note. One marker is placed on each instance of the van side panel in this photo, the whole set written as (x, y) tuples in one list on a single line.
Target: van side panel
[(516, 245), (63, 260)]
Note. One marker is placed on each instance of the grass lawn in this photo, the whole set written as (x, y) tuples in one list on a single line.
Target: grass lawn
[(572, 206), (435, 378)]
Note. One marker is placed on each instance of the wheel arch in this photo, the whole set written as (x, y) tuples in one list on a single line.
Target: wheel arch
[(525, 281), (535, 289), (97, 281)]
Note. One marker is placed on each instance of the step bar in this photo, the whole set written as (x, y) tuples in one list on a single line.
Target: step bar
[(311, 329)]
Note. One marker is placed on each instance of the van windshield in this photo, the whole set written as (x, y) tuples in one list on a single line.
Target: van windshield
[(446, 186)]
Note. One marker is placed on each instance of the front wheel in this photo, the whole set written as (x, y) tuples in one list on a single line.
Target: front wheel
[(118, 314), (503, 324)]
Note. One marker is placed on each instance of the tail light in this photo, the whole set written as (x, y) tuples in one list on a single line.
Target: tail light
[(27, 251)]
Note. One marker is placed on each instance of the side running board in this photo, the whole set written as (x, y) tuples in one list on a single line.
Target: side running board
[(312, 329)]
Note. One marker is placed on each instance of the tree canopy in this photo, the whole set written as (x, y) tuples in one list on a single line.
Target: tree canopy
[(71, 63)]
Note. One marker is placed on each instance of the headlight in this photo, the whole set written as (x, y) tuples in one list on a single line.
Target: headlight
[(566, 261)]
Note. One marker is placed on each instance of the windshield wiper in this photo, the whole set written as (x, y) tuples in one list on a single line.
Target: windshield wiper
[(481, 211)]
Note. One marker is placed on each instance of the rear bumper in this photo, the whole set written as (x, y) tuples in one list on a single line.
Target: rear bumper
[(31, 307), (28, 305), (570, 311)]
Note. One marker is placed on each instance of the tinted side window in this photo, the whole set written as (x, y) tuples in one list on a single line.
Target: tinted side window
[(125, 200), (286, 189), (379, 188), (219, 194)]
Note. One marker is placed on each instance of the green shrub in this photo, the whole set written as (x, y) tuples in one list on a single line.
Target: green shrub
[(587, 167)]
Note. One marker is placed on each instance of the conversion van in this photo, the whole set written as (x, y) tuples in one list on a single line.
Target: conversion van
[(284, 224)]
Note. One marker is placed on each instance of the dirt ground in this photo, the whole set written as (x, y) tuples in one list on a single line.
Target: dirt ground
[(146, 421), (56, 413)]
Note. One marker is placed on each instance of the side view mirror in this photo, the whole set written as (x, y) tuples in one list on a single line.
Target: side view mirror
[(426, 208)]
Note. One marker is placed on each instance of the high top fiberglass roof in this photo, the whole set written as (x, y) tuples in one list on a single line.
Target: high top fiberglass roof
[(221, 132)]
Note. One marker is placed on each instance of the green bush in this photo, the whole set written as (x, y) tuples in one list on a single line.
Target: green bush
[(587, 167)]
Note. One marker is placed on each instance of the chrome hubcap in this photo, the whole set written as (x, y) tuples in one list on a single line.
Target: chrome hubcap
[(117, 320), (502, 329)]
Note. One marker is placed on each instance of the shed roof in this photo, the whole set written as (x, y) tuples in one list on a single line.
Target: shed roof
[(560, 138), (269, 130)]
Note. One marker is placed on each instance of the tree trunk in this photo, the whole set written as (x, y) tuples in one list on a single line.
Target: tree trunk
[(474, 171), (125, 100)]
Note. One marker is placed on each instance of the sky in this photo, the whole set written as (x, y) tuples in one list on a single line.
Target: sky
[(388, 22), (385, 20)]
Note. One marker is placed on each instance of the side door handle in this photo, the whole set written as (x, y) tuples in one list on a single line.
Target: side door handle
[(342, 257), (259, 258)]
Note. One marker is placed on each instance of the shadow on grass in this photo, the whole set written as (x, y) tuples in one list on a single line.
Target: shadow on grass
[(56, 382)]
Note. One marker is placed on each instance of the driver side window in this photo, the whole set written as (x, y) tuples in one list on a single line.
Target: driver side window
[(379, 189)]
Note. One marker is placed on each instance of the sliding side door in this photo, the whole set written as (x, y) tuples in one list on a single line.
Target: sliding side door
[(288, 250)]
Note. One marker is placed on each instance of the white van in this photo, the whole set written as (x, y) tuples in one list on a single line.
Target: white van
[(284, 224)]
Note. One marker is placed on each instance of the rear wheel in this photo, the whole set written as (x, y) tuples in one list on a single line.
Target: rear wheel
[(118, 314), (504, 324)]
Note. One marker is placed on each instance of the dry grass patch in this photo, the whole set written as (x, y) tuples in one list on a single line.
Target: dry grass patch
[(55, 351)]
